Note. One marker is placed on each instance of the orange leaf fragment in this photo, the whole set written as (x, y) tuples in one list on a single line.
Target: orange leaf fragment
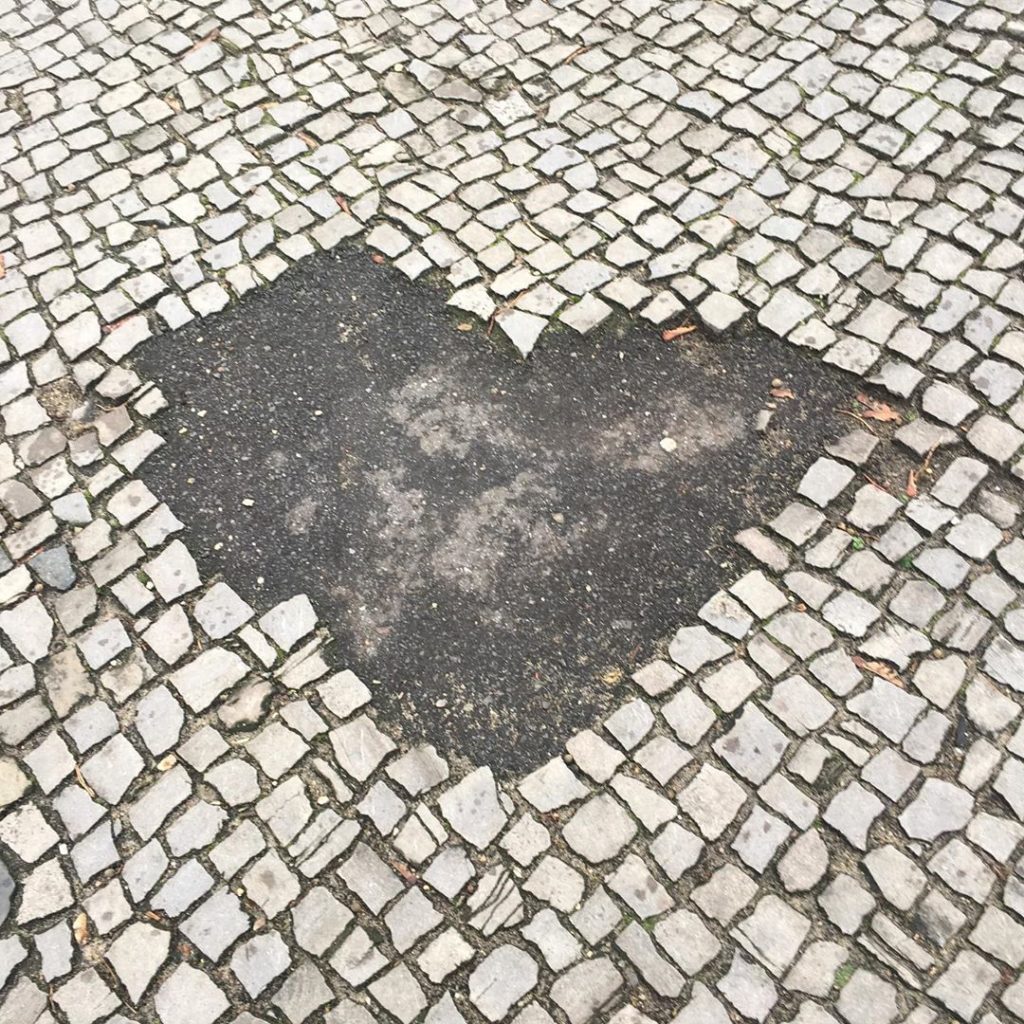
[(783, 393), (80, 778), (880, 668), (405, 871), (912, 484), (377, 258), (677, 332), (80, 929), (875, 410)]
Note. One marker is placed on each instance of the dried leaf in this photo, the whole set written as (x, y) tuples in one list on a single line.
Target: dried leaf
[(464, 327), (677, 332), (405, 871), (377, 258), (81, 781), (208, 38), (342, 203), (783, 393), (3, 267), (875, 410), (880, 668), (80, 929), (911, 491)]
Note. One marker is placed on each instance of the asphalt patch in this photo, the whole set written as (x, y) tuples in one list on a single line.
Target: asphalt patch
[(492, 542)]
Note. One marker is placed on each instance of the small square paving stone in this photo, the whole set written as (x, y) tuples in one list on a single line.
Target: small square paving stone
[(446, 953), (897, 877), (655, 969), (975, 536), (720, 311), (889, 773), (410, 919), (687, 940), (726, 615), (712, 799), (288, 622), (500, 980), (216, 923), (805, 863), (551, 786), (184, 887), (824, 481), (597, 917), (276, 749), (473, 809), (449, 871), (318, 919), (557, 883), (676, 850), (754, 746), (852, 812), (343, 693), (939, 807), (965, 984), (189, 996), (419, 770), (136, 956), (556, 944), (113, 768), (963, 870), (370, 878), (748, 988), (656, 677), (867, 999), (586, 988), (759, 838), (359, 746), (86, 998), (258, 961), (887, 708), (220, 611), (694, 646), (846, 902), (173, 571), (270, 884), (689, 717), (773, 933), (730, 685), (759, 594), (799, 706), (599, 829), (1001, 936), (662, 759), (633, 882), (631, 723), (357, 959), (399, 993), (304, 991), (804, 636), (649, 806)]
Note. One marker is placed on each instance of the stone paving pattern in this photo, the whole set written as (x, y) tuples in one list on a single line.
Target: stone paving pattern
[(812, 809)]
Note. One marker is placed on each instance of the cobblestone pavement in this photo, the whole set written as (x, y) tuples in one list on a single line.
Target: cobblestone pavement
[(813, 807)]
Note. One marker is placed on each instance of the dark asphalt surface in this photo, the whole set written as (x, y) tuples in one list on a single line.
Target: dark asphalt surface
[(489, 540)]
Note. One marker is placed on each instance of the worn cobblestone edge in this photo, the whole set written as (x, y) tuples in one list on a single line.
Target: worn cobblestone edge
[(811, 810)]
